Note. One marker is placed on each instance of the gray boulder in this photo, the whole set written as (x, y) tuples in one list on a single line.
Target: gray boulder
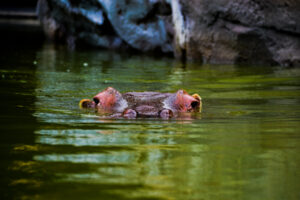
[(211, 31), (239, 31), (139, 24)]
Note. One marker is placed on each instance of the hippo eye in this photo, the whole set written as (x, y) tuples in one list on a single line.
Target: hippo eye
[(195, 104), (96, 100)]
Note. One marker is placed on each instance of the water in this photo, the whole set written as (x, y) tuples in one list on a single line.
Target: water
[(245, 144)]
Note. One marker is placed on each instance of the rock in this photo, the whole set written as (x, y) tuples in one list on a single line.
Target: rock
[(238, 32), (76, 21), (210, 31), (139, 23)]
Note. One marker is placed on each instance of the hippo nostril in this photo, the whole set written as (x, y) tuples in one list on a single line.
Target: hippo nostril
[(96, 100), (195, 104), (166, 114)]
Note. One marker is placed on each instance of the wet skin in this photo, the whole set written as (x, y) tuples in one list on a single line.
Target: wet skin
[(143, 104)]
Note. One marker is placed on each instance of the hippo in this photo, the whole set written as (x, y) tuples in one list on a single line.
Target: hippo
[(143, 104)]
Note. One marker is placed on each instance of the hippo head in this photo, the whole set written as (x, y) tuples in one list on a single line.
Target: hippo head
[(187, 103), (143, 104), (109, 100)]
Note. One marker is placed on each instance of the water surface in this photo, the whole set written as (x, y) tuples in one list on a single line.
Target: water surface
[(245, 144)]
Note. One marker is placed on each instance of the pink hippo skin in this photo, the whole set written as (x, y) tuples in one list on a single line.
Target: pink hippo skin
[(143, 104)]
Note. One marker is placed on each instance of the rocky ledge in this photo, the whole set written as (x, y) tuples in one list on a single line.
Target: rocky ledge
[(211, 31)]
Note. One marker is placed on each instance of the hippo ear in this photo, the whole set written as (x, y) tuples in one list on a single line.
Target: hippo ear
[(197, 96), (86, 103)]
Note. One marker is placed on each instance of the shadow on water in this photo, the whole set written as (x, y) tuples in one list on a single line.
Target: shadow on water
[(245, 144), (17, 103)]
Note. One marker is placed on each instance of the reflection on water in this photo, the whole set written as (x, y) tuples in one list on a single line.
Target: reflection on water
[(245, 144)]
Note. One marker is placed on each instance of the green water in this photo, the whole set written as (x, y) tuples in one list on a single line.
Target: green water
[(245, 144)]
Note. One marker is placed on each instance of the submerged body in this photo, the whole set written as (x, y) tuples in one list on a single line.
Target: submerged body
[(143, 104)]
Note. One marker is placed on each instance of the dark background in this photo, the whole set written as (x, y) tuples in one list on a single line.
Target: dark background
[(18, 4)]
